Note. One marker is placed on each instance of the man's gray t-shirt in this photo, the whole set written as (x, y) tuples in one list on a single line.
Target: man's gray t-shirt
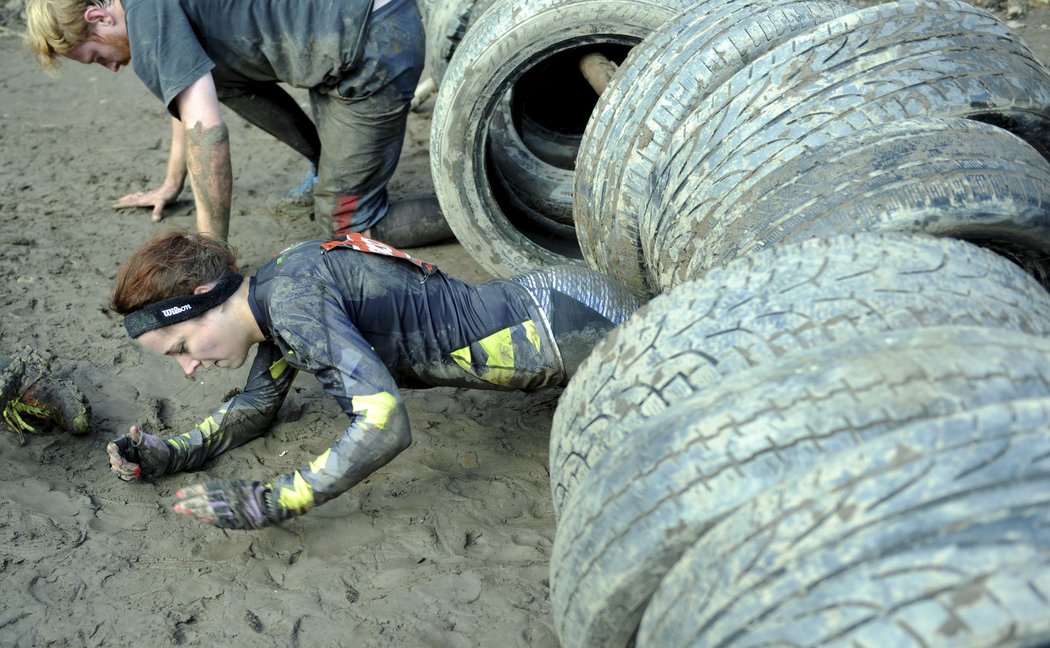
[(304, 43)]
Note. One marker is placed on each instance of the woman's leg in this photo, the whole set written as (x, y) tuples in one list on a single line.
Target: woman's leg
[(581, 307)]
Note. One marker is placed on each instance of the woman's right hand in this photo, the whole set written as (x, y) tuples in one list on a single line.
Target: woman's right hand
[(137, 454), (157, 198)]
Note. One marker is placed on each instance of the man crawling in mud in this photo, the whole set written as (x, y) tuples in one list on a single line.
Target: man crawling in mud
[(364, 318), (359, 59)]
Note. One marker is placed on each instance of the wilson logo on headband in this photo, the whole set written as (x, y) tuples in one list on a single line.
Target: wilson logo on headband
[(179, 309), (168, 312)]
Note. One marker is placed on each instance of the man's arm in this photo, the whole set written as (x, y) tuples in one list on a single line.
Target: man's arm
[(207, 155), (175, 175)]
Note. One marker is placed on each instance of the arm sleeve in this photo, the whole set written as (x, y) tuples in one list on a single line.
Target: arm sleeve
[(242, 418), (165, 52), (378, 429)]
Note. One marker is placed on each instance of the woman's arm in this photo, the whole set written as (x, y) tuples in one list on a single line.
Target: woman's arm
[(239, 420), (378, 431)]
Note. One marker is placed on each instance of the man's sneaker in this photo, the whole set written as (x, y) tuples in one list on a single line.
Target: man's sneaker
[(298, 202)]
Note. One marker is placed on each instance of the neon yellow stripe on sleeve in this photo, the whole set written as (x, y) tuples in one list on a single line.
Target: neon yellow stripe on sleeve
[(278, 368), (300, 497), (208, 426), (318, 464), (464, 358), (376, 408)]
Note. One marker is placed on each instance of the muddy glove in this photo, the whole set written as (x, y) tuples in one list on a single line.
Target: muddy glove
[(137, 454), (231, 504)]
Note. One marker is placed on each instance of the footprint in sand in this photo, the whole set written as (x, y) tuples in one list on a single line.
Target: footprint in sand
[(52, 519), (113, 516), (39, 496)]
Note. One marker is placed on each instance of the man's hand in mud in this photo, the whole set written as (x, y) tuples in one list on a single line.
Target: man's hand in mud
[(230, 504), (137, 454), (158, 199)]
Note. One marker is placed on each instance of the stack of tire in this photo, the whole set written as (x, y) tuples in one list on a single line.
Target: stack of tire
[(829, 425), (741, 123), (714, 104), (841, 441), (510, 113), (817, 432)]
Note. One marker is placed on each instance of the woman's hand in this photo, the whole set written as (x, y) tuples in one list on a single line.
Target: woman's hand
[(158, 199), (137, 454), (230, 504)]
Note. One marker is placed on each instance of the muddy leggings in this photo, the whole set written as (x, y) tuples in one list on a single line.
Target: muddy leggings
[(358, 127), (362, 121), (581, 306)]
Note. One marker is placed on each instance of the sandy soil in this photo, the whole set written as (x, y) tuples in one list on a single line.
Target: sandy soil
[(446, 546)]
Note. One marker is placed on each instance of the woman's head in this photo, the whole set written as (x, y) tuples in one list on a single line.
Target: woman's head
[(170, 265), (182, 297)]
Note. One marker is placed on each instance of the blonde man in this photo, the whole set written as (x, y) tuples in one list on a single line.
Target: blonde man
[(360, 60)]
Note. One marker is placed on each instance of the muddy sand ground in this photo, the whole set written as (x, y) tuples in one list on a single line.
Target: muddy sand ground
[(445, 546)]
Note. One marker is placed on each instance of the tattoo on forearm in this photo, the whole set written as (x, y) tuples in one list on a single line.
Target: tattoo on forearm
[(208, 163)]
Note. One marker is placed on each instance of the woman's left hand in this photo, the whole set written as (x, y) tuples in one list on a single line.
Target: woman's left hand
[(228, 504)]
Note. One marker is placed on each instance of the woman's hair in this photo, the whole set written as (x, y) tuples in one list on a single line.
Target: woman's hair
[(170, 265), (54, 27)]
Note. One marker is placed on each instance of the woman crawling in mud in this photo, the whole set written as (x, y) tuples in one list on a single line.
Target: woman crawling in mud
[(364, 318)]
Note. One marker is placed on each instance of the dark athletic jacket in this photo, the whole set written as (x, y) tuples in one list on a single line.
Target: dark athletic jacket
[(364, 323)]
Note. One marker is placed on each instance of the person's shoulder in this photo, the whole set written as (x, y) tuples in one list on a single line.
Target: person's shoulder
[(293, 260), (301, 250), (295, 304)]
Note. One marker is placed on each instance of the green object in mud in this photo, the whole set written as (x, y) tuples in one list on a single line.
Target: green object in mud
[(28, 389)]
